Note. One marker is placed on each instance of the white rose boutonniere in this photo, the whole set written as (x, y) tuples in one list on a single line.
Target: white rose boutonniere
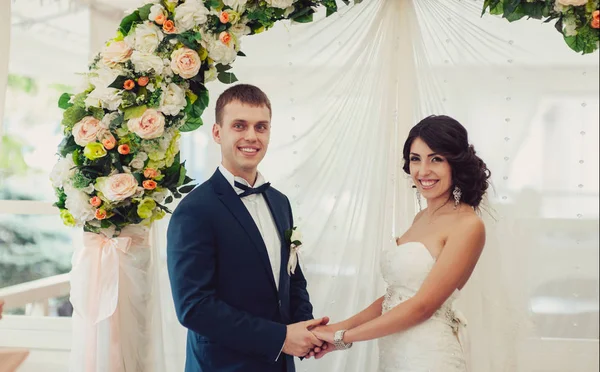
[(293, 237)]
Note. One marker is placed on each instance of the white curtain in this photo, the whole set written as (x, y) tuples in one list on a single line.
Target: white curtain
[(4, 49), (345, 91)]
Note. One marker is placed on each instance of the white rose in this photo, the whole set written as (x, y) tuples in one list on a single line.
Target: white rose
[(570, 26), (117, 187), (236, 5), (568, 2), (289, 10), (210, 74), (240, 30), (145, 37), (160, 196), (185, 62), (220, 52), (296, 235), (116, 52), (190, 14), (148, 126), (172, 100), (103, 96), (155, 11), (78, 204), (144, 62), (62, 171), (138, 161), (86, 130), (281, 4)]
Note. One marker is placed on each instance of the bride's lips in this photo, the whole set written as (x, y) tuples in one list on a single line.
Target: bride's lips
[(428, 184)]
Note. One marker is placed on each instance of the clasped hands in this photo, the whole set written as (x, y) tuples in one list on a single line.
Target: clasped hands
[(311, 338)]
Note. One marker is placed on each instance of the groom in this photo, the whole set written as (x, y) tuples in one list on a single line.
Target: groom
[(227, 255)]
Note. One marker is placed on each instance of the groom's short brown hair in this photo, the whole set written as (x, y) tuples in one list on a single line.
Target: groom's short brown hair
[(245, 93)]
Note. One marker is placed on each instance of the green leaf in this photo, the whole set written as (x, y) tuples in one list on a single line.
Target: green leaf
[(144, 11), (128, 22), (116, 161), (186, 189), (63, 101), (187, 180), (510, 6), (516, 15), (227, 77), (72, 115), (191, 124), (304, 19), (182, 173), (203, 99), (497, 9), (67, 146), (214, 4), (190, 39), (169, 200), (241, 54), (139, 177), (134, 112), (97, 112), (118, 83), (222, 68)]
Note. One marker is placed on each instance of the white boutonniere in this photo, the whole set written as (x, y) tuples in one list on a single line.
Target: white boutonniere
[(293, 237)]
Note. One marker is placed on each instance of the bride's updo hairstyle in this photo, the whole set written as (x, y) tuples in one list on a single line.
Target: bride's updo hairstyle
[(448, 138)]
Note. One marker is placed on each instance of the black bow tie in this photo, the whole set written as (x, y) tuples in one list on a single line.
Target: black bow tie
[(249, 190)]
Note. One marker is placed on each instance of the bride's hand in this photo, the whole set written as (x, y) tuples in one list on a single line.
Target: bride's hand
[(324, 333)]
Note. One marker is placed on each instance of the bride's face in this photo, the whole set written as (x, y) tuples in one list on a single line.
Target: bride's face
[(430, 172)]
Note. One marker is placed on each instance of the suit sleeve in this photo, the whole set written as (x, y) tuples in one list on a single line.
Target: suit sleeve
[(300, 305), (191, 260)]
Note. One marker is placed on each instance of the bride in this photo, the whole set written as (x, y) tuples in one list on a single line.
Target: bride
[(415, 321)]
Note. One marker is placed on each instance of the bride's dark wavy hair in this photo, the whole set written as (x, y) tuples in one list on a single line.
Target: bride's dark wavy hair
[(447, 137)]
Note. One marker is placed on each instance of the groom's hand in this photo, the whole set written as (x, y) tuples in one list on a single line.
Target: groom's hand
[(299, 340)]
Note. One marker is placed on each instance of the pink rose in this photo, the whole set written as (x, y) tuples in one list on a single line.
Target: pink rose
[(116, 52), (185, 62), (148, 126), (86, 130), (572, 2), (117, 187)]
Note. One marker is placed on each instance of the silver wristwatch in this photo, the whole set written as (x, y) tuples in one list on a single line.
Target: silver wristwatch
[(338, 341)]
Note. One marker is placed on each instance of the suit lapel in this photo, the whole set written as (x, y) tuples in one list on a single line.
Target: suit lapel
[(233, 202), (279, 215)]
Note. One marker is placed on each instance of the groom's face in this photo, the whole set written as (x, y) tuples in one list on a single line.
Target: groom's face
[(244, 135)]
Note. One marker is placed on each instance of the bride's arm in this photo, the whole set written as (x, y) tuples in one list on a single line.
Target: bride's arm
[(368, 314), (454, 266)]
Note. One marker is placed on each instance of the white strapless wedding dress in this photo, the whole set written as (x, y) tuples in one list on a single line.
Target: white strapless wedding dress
[(436, 345)]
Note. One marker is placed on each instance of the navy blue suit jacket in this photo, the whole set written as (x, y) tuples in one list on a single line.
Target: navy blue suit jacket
[(223, 284)]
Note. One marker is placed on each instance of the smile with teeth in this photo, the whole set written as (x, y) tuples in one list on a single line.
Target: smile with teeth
[(248, 150), (428, 184)]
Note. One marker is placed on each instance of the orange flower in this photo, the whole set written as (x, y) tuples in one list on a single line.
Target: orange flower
[(95, 201), (143, 81), (225, 37), (169, 26), (100, 214), (149, 184), (160, 19), (109, 143), (124, 149), (596, 19), (129, 84), (150, 173), (224, 17)]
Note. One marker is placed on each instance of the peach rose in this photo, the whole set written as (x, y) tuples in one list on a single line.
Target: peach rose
[(225, 38), (95, 201), (100, 214), (149, 184), (124, 149), (129, 84), (160, 19), (169, 27), (150, 173), (148, 126), (596, 19), (224, 17), (109, 143), (86, 130), (117, 187), (143, 81), (116, 52), (185, 62)]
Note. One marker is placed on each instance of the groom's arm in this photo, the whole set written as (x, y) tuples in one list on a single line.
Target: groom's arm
[(191, 260), (300, 305)]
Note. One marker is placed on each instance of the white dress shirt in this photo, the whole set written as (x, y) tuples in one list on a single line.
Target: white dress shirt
[(261, 214)]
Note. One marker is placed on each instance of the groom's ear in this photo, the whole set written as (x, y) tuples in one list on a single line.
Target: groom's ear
[(216, 133)]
